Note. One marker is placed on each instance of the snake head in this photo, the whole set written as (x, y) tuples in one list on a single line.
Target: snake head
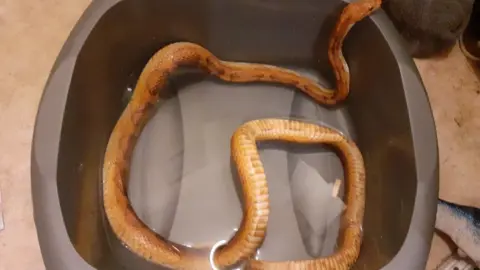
[(356, 11)]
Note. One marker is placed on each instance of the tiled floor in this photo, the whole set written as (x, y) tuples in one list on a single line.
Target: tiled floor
[(31, 35)]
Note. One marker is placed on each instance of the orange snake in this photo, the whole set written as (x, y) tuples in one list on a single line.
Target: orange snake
[(242, 247)]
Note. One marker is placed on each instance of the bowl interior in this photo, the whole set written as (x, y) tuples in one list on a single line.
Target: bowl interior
[(181, 160)]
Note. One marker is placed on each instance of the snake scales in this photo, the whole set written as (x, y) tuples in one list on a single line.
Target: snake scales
[(249, 237)]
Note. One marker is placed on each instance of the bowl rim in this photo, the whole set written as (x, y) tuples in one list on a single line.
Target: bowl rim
[(56, 248)]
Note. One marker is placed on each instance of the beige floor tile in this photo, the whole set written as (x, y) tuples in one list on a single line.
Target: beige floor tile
[(32, 33), (454, 92)]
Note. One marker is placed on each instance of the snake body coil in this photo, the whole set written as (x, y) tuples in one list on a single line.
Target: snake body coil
[(244, 244)]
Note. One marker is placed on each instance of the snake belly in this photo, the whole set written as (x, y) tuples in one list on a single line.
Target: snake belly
[(242, 247)]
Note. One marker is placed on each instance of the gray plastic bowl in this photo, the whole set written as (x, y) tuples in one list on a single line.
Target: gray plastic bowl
[(387, 113)]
